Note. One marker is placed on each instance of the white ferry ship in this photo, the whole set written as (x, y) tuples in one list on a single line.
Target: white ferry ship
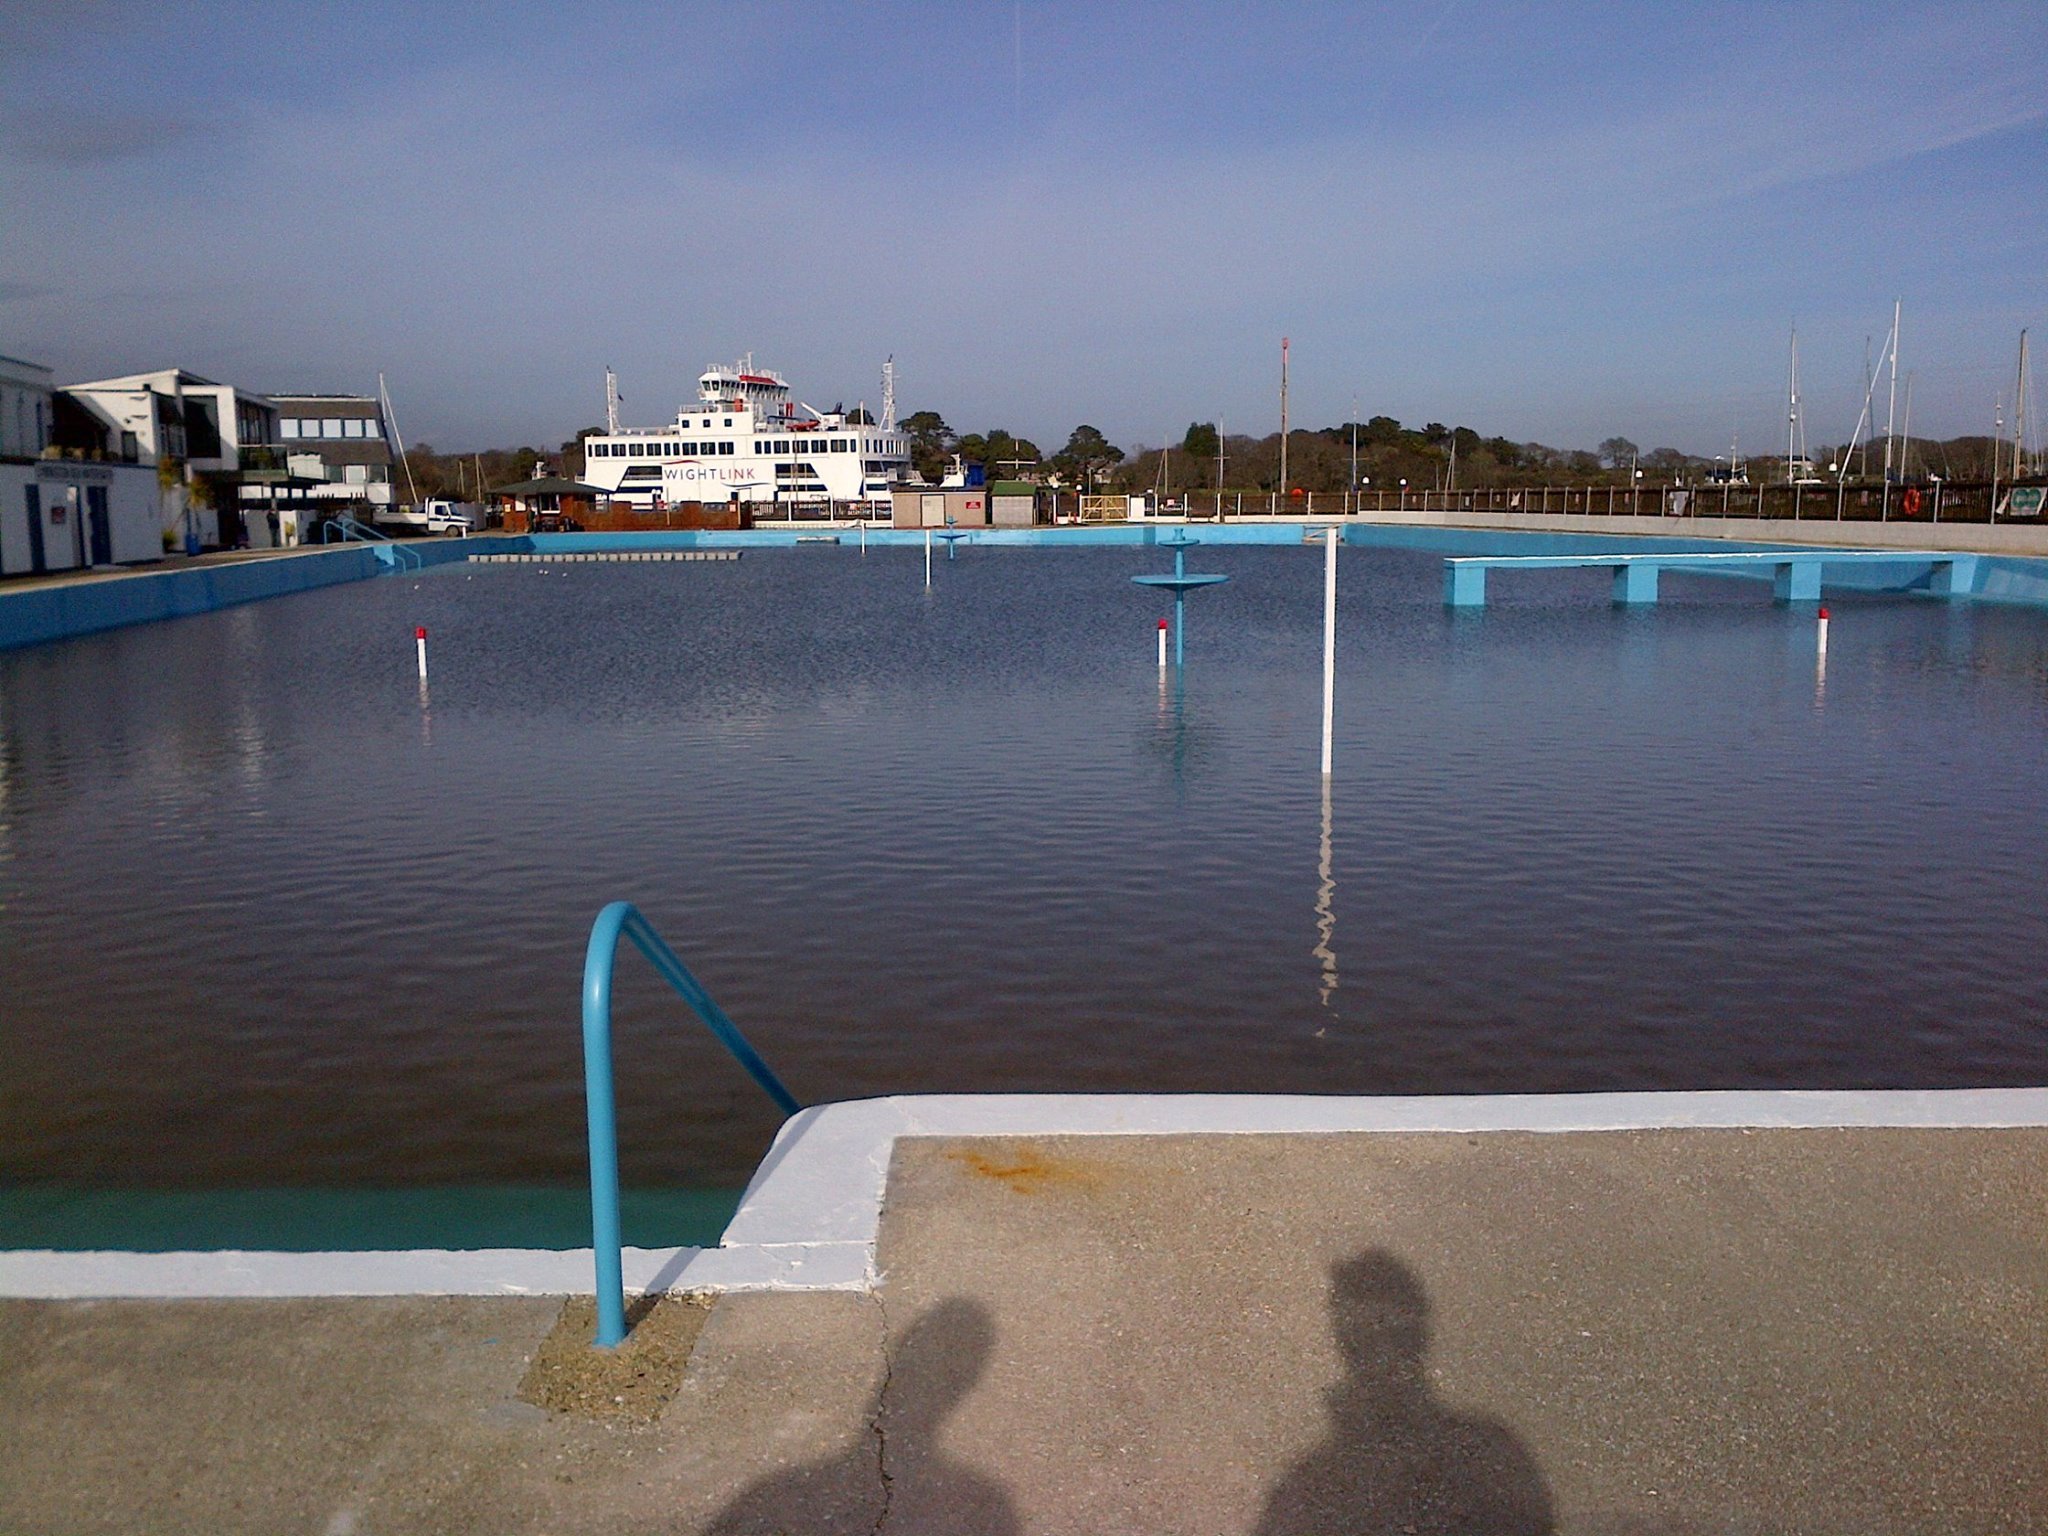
[(747, 438)]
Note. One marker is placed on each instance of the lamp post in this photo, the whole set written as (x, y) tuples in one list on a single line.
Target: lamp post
[(1404, 494)]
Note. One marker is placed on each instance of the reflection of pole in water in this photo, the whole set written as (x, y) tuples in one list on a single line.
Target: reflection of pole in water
[(1820, 660), (426, 717), (1326, 913)]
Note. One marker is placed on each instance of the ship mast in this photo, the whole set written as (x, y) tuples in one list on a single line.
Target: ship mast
[(889, 393), (611, 402)]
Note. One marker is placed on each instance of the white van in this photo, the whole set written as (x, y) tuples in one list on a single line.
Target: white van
[(453, 517)]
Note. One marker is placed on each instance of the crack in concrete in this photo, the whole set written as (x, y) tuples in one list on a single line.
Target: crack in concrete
[(875, 1424)]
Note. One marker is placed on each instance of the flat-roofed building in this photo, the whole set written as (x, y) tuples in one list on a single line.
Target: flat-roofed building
[(345, 436), (207, 433), (27, 408)]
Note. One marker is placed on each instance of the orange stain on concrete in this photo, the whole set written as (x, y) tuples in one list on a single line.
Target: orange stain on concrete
[(1026, 1170)]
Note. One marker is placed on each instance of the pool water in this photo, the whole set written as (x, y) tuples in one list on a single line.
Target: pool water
[(271, 917)]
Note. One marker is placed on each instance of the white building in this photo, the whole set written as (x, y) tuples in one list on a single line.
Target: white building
[(336, 459), (26, 409), (63, 515), (213, 430)]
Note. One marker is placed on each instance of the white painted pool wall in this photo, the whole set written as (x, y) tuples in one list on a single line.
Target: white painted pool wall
[(810, 1219)]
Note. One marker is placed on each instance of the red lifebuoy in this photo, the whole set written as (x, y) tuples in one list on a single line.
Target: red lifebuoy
[(1911, 503)]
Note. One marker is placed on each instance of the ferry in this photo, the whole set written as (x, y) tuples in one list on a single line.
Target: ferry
[(747, 438)]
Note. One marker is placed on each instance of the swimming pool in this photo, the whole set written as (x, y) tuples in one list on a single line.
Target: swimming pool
[(269, 918)]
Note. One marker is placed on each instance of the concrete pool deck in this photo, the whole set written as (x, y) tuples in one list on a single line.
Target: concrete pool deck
[(1832, 1325)]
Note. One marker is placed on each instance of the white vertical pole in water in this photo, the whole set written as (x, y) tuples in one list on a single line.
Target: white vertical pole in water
[(419, 640), (1329, 642), (1162, 645), (927, 558)]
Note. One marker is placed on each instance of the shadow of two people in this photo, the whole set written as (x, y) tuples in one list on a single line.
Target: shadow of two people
[(1393, 1457)]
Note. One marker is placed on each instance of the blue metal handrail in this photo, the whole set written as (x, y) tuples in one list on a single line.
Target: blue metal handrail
[(622, 917), (341, 523), (391, 552)]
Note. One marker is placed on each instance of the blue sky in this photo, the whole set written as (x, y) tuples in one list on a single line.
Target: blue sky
[(1555, 222)]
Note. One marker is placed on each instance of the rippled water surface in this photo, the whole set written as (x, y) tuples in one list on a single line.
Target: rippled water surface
[(269, 917)]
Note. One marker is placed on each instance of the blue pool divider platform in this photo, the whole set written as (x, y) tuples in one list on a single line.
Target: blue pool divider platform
[(1795, 574)]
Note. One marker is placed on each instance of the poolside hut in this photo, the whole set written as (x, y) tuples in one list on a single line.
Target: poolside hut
[(550, 504)]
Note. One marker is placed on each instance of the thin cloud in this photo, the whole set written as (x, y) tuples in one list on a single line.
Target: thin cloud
[(63, 137)]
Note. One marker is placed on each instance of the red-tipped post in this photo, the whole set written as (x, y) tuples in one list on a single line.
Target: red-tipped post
[(1162, 645), (419, 640)]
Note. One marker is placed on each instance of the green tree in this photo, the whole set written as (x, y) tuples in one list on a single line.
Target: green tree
[(1619, 453), (572, 452), (999, 452), (1088, 453), (931, 442)]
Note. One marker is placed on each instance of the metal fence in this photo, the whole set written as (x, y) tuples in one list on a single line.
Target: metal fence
[(1922, 501)]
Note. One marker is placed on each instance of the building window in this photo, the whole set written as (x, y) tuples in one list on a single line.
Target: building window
[(288, 426), (727, 448), (330, 426), (353, 427)]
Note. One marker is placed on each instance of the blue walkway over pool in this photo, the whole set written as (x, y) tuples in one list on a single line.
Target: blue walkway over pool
[(1795, 576)]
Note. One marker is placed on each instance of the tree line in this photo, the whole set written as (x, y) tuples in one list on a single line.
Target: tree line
[(1430, 457)]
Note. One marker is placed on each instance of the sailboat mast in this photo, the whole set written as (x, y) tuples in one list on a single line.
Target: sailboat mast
[(1792, 408), (1283, 420), (1890, 415), (391, 421), (2019, 414), (1906, 434), (1997, 448)]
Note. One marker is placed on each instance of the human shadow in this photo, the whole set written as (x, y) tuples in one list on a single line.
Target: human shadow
[(895, 1477), (1396, 1458)]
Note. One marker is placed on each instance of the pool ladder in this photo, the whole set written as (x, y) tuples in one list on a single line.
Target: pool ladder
[(623, 919)]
